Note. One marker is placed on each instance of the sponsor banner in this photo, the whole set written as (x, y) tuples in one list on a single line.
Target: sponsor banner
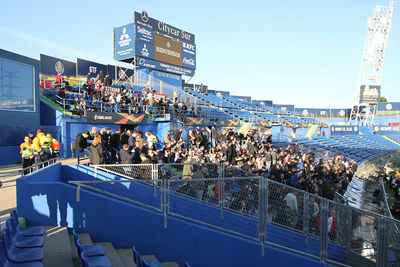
[(124, 42), (344, 130), (114, 118), (144, 34), (188, 61), (370, 94), (389, 106), (242, 98), (394, 123), (228, 123), (162, 28), (53, 66), (167, 50), (157, 96), (144, 49), (112, 90), (387, 129), (194, 121), (85, 66), (148, 63), (266, 103), (218, 93), (289, 108)]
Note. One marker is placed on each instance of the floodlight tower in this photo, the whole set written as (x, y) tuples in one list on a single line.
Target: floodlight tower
[(370, 76)]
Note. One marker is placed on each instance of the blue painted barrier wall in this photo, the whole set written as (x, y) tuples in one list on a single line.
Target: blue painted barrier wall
[(44, 198)]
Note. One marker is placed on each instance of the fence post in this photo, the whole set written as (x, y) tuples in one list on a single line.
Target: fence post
[(262, 209), (382, 242), (78, 193), (95, 172), (323, 230), (165, 199), (306, 215), (221, 189)]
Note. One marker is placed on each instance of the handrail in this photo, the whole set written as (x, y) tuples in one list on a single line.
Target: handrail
[(37, 166)]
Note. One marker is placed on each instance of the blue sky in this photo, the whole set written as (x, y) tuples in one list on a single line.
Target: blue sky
[(306, 53)]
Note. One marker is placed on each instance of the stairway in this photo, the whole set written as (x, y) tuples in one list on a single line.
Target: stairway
[(60, 250)]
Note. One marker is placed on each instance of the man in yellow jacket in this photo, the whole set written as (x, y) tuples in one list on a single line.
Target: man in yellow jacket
[(41, 145), (26, 151)]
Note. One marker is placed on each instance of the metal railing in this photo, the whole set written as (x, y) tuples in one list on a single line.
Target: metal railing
[(37, 166), (258, 209)]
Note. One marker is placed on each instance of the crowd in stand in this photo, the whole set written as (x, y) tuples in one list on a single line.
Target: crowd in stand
[(251, 152)]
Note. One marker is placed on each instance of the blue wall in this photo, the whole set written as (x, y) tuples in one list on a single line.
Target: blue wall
[(44, 198)]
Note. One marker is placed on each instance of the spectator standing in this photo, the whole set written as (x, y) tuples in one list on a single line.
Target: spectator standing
[(332, 225), (81, 144), (96, 151), (291, 201)]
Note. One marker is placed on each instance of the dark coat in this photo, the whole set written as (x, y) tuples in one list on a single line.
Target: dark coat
[(96, 154), (126, 156), (80, 142)]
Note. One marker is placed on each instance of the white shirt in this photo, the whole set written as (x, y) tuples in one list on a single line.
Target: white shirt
[(291, 202)]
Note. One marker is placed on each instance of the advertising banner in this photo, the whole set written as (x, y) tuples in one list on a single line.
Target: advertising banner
[(387, 129), (370, 94), (344, 130), (144, 49), (85, 66), (115, 118), (167, 50), (124, 42), (53, 66), (144, 34), (162, 28), (148, 63), (267, 103)]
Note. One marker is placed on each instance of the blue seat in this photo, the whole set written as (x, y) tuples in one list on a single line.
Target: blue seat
[(5, 262), (23, 241), (26, 231), (21, 255), (90, 251), (139, 260), (146, 263), (95, 261)]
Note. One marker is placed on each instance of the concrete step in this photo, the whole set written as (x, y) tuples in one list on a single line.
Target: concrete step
[(85, 239), (57, 248), (126, 255), (170, 264), (112, 254)]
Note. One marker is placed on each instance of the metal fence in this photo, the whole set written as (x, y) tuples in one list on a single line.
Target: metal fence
[(37, 166), (230, 200)]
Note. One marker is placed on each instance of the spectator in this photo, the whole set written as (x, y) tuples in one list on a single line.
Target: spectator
[(96, 151), (81, 144), (291, 201), (125, 155), (332, 225)]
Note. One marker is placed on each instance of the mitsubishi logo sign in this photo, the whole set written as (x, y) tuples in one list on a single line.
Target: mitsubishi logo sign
[(124, 34)]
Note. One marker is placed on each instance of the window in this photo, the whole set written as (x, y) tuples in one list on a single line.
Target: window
[(17, 86)]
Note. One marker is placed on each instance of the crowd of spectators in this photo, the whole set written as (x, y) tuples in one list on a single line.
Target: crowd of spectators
[(252, 152)]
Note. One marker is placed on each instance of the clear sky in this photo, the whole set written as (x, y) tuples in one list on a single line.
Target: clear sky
[(306, 53)]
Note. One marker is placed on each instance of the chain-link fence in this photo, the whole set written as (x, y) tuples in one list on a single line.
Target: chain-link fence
[(130, 171), (238, 202)]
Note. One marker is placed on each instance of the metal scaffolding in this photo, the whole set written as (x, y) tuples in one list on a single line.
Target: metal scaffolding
[(370, 75)]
